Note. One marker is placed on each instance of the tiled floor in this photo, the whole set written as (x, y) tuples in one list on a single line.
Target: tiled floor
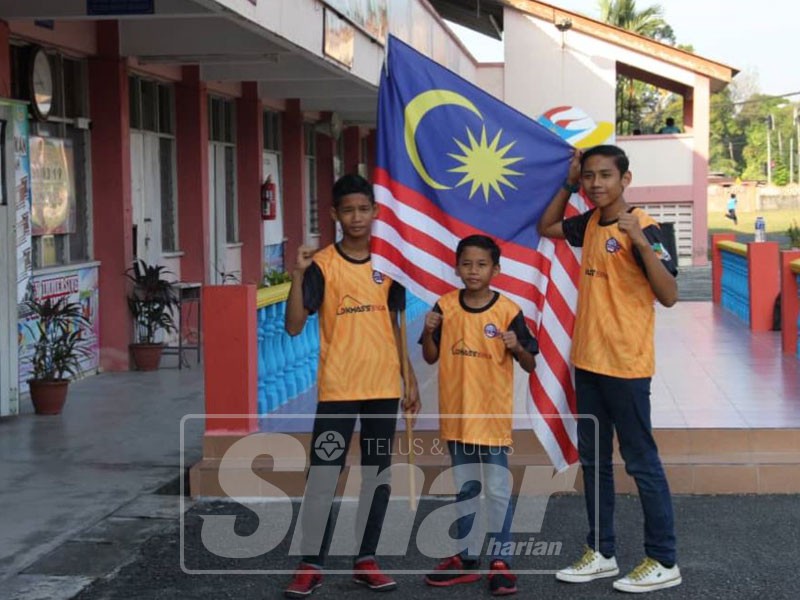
[(711, 372)]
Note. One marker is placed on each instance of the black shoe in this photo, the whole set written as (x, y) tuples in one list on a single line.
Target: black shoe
[(501, 581), (452, 571)]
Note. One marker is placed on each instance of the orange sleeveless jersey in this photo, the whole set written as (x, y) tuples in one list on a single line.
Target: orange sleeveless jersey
[(358, 357), (615, 319), (476, 372)]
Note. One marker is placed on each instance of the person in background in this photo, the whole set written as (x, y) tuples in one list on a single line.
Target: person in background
[(670, 127), (731, 214)]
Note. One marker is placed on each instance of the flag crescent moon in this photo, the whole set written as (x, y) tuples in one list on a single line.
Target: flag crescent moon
[(413, 114)]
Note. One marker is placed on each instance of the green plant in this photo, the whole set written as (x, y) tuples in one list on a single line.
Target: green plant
[(59, 342), (275, 277), (794, 234), (151, 301)]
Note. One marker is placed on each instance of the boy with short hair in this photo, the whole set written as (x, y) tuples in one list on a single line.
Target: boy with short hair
[(480, 332), (359, 376), (624, 269)]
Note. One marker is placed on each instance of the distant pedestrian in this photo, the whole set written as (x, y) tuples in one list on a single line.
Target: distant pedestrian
[(731, 214), (670, 127)]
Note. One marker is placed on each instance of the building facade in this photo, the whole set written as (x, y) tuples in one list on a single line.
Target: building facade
[(154, 129)]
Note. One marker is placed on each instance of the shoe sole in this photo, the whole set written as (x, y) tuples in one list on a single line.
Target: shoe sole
[(386, 587), (586, 578), (456, 581), (640, 589), (289, 594), (504, 592)]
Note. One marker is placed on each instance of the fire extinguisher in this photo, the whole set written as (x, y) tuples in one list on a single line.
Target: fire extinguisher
[(268, 200)]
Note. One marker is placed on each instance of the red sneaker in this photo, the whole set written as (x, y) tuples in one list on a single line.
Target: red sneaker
[(501, 581), (368, 573), (452, 571), (305, 580)]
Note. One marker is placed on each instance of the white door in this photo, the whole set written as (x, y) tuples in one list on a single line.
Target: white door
[(146, 196), (681, 216)]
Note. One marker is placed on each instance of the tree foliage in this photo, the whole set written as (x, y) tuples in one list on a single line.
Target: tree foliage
[(641, 106)]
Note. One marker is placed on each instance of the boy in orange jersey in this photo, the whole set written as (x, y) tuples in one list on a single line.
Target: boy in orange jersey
[(359, 376), (481, 333), (624, 269)]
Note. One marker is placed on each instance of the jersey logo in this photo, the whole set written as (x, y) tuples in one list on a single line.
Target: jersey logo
[(377, 277), (350, 305), (460, 348), (490, 330), (613, 245), (661, 252)]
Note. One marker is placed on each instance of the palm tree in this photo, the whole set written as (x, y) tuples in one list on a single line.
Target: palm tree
[(648, 22)]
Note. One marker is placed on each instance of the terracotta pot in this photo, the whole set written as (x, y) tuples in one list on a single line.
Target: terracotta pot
[(48, 396), (146, 357)]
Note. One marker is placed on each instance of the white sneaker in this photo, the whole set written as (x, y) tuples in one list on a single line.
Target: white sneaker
[(592, 565), (649, 576)]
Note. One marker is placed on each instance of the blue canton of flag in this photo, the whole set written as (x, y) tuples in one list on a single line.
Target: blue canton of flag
[(452, 161)]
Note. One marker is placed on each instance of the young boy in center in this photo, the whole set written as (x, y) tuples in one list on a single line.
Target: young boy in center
[(476, 333), (359, 377), (624, 270)]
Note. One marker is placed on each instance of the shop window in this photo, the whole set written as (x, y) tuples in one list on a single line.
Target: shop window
[(67, 144)]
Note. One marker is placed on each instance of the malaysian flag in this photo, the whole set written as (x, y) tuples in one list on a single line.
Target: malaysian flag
[(452, 161)]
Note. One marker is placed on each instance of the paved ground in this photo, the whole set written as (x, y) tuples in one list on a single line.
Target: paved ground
[(694, 284), (730, 547)]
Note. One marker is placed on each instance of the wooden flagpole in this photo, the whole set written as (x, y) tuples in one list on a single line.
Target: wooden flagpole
[(412, 483)]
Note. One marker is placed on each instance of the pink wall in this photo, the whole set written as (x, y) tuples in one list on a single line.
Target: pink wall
[(111, 190), (700, 108)]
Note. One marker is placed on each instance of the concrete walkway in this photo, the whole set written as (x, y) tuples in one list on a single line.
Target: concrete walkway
[(115, 444)]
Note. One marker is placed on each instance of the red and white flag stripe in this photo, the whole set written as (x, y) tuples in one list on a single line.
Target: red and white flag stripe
[(414, 242)]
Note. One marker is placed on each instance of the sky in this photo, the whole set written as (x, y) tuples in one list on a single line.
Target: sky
[(753, 36)]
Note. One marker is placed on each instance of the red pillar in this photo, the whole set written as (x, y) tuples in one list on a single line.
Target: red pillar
[(191, 133), (5, 62), (352, 149), (790, 304), (294, 183), (764, 282), (111, 190), (230, 358), (326, 147), (249, 146), (716, 265), (372, 153)]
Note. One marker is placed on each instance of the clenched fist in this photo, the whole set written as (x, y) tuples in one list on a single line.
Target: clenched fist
[(433, 320), (510, 340), (304, 256)]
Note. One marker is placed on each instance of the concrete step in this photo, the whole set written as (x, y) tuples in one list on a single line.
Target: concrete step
[(697, 461)]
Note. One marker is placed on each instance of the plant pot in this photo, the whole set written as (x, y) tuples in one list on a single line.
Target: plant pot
[(146, 357), (48, 396)]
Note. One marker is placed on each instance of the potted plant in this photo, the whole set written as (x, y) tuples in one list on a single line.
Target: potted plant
[(59, 346), (151, 301)]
